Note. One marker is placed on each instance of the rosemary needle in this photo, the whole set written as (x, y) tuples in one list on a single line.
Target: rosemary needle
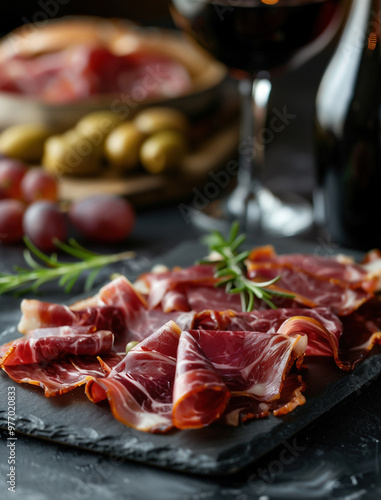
[(231, 271), (50, 268)]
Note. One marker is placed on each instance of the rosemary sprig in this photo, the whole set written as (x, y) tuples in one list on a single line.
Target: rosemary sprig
[(67, 273), (231, 271)]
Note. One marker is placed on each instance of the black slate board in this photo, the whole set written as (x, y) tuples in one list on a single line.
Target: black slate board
[(73, 420)]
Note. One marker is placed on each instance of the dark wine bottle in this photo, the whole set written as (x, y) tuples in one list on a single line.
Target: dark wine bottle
[(348, 133)]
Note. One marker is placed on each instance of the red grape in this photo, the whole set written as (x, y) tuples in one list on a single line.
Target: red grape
[(38, 184), (103, 218), (44, 221), (11, 220), (11, 174)]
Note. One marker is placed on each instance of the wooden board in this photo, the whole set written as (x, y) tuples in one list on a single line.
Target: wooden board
[(146, 189)]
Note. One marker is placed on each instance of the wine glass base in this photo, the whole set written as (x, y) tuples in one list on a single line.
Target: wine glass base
[(265, 213)]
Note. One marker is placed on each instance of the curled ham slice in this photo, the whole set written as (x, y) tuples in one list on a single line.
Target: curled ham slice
[(51, 343), (200, 396), (224, 373), (38, 314), (59, 377), (56, 377), (322, 342), (251, 362), (159, 284), (139, 388)]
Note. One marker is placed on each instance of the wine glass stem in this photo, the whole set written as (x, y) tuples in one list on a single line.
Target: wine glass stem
[(254, 102), (261, 89), (260, 99)]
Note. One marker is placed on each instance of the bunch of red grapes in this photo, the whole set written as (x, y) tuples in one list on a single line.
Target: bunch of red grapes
[(29, 206)]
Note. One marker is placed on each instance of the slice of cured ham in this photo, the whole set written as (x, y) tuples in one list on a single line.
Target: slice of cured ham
[(140, 387), (160, 284), (251, 362), (38, 314), (61, 376), (313, 280), (218, 371), (322, 343), (51, 343), (200, 396), (56, 377)]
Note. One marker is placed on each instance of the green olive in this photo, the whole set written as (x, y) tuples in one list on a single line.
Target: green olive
[(98, 125), (131, 345), (25, 141), (122, 146), (71, 154), (163, 151), (152, 120)]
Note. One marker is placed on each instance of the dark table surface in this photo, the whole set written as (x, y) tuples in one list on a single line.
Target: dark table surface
[(336, 457)]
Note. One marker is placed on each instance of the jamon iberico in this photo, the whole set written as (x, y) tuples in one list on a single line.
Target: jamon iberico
[(200, 359)]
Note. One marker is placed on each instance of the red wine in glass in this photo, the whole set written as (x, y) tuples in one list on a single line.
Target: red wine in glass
[(255, 35), (256, 39)]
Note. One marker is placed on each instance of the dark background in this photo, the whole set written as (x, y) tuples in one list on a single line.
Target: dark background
[(13, 13)]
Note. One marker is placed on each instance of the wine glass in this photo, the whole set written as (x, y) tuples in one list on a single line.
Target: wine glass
[(257, 39)]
